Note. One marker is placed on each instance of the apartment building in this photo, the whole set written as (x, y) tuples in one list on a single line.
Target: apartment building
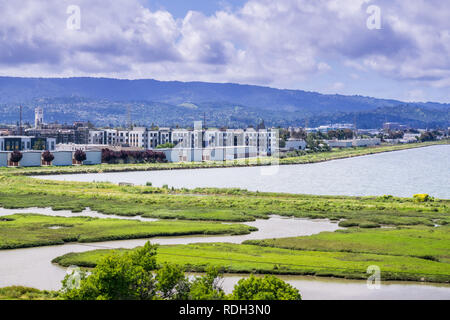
[(26, 143), (206, 143)]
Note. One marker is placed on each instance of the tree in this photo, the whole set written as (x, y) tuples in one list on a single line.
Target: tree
[(80, 155), (16, 156), (48, 156), (135, 275), (267, 288), (207, 287), (427, 136), (167, 145), (119, 276), (172, 284)]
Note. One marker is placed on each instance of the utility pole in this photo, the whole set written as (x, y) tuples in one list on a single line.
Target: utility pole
[(306, 127), (130, 125), (204, 120), (20, 120)]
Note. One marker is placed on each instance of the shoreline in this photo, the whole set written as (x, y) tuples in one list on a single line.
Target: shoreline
[(257, 162)]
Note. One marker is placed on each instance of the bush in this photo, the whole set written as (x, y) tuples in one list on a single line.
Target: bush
[(109, 156), (48, 156), (167, 145), (80, 155), (267, 288), (423, 197), (16, 156)]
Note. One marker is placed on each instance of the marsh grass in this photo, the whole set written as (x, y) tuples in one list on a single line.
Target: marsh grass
[(216, 204), (235, 258), (31, 230), (421, 242), (25, 293)]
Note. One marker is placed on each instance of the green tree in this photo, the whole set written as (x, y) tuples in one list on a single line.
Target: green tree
[(167, 145), (267, 288), (119, 276), (207, 287), (172, 284)]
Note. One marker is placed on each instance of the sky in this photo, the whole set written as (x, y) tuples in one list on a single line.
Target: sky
[(381, 48)]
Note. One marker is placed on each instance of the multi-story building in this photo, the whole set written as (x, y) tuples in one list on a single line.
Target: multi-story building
[(26, 143), (262, 142)]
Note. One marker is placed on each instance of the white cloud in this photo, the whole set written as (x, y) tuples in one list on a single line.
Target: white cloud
[(280, 43)]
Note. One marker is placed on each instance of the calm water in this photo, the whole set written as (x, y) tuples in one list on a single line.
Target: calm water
[(401, 173), (67, 213), (32, 266), (317, 288)]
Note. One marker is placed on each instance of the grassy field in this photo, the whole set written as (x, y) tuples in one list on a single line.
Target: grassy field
[(421, 242), (309, 158), (235, 258), (30, 230), (24, 293), (216, 204)]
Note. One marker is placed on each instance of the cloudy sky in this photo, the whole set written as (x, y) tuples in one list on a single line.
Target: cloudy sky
[(315, 45)]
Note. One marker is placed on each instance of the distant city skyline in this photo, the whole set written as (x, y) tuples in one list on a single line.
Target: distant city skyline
[(328, 46)]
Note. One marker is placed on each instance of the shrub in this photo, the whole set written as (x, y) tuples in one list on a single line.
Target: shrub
[(167, 145), (48, 156), (80, 155), (423, 197), (16, 156), (267, 288), (109, 156)]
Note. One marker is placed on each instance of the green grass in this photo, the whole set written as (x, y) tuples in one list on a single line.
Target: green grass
[(235, 258), (216, 204), (309, 158), (422, 242), (30, 230), (24, 293)]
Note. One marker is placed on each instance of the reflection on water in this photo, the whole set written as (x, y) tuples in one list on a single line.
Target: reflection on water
[(400, 173)]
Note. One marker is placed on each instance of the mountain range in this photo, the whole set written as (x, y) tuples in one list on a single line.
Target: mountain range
[(105, 101)]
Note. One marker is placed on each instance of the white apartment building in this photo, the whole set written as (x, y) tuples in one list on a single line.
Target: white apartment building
[(96, 137), (261, 142)]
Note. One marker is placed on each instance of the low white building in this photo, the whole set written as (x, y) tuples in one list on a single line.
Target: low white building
[(295, 144), (83, 147), (354, 143), (339, 143), (366, 142)]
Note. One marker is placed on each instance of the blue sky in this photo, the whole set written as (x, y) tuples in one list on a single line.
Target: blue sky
[(314, 45), (179, 8)]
